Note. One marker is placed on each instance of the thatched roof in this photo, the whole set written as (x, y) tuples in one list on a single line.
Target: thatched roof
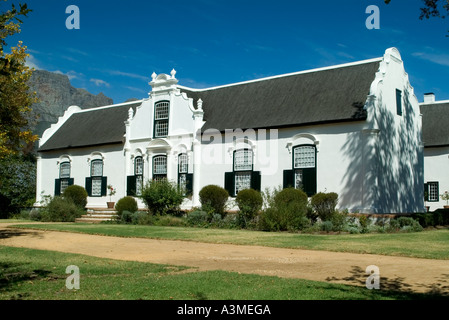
[(435, 124), (330, 95), (92, 127)]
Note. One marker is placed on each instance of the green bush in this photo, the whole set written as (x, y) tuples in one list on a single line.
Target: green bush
[(404, 224), (60, 209), (288, 211), (77, 194), (197, 218), (126, 204), (213, 199), (250, 203), (162, 196), (324, 204)]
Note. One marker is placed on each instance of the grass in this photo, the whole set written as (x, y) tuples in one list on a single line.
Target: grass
[(426, 244), (40, 275)]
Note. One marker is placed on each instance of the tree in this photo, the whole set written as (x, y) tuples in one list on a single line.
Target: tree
[(15, 97), (432, 8)]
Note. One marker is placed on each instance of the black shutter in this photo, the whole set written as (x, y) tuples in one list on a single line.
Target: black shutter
[(426, 192), (89, 186), (288, 181), (131, 186), (189, 184), (57, 187), (309, 181), (230, 183), (255, 180), (71, 181), (104, 185)]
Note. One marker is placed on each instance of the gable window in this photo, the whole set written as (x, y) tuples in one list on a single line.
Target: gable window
[(303, 173), (185, 179), (431, 191), (399, 102), (243, 176), (161, 114), (159, 167), (96, 183), (135, 182), (64, 178)]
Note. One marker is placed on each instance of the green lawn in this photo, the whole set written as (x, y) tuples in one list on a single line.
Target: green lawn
[(426, 244), (40, 275)]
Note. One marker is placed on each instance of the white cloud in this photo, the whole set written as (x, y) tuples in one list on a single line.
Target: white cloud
[(438, 58), (32, 62), (71, 74), (100, 83), (126, 74)]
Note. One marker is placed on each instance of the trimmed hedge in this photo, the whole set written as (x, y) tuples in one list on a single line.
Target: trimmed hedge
[(214, 198), (77, 194)]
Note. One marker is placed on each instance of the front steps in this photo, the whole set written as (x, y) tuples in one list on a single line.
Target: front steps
[(97, 215)]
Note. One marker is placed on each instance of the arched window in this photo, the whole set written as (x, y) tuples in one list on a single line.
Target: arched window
[(243, 175), (303, 173), (161, 115), (64, 178), (96, 184)]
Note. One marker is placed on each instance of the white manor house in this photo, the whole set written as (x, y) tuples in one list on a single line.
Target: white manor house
[(354, 129)]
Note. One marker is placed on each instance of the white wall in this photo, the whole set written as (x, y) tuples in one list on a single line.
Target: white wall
[(436, 169)]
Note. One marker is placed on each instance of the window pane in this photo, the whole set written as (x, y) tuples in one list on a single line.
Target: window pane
[(160, 165), (139, 185), (97, 168), (64, 170), (161, 110), (138, 166), (161, 128), (183, 161), (96, 187), (182, 181), (64, 185), (298, 179), (304, 157), (243, 160), (242, 181), (433, 191)]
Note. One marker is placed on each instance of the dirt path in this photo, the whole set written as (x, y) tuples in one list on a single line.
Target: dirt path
[(407, 274)]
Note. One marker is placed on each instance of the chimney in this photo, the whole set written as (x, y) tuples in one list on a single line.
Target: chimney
[(429, 97)]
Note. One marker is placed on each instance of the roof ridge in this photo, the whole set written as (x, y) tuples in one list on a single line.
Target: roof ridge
[(344, 65)]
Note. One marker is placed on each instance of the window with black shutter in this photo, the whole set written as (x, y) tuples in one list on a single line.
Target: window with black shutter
[(159, 167), (243, 176), (303, 173), (64, 178), (185, 180), (96, 184)]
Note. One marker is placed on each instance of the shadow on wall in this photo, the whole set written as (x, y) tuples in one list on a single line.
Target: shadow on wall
[(388, 165)]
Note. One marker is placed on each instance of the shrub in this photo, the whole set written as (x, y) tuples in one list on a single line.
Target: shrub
[(60, 209), (162, 196), (197, 218), (406, 224), (77, 194), (213, 198), (288, 211), (126, 204), (324, 204), (250, 202)]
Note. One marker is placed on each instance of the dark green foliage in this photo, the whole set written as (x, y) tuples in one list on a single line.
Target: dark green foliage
[(197, 218), (17, 184), (126, 204), (324, 204), (406, 224), (60, 209), (77, 194), (213, 199), (162, 196), (250, 203), (288, 211)]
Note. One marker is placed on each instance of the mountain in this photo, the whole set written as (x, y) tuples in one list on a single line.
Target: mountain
[(56, 94)]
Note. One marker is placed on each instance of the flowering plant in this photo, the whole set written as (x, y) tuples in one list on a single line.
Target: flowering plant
[(112, 191), (445, 196)]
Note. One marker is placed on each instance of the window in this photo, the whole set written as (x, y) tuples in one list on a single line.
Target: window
[(159, 167), (134, 183), (64, 178), (243, 177), (138, 173), (161, 114), (303, 174), (431, 191), (96, 183), (184, 178), (399, 102)]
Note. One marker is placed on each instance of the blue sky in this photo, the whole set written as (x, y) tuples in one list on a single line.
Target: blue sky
[(215, 42)]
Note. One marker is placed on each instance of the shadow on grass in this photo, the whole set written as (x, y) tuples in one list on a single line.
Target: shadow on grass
[(396, 288)]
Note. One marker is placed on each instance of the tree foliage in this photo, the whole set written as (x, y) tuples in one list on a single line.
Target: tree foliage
[(15, 97), (432, 8)]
